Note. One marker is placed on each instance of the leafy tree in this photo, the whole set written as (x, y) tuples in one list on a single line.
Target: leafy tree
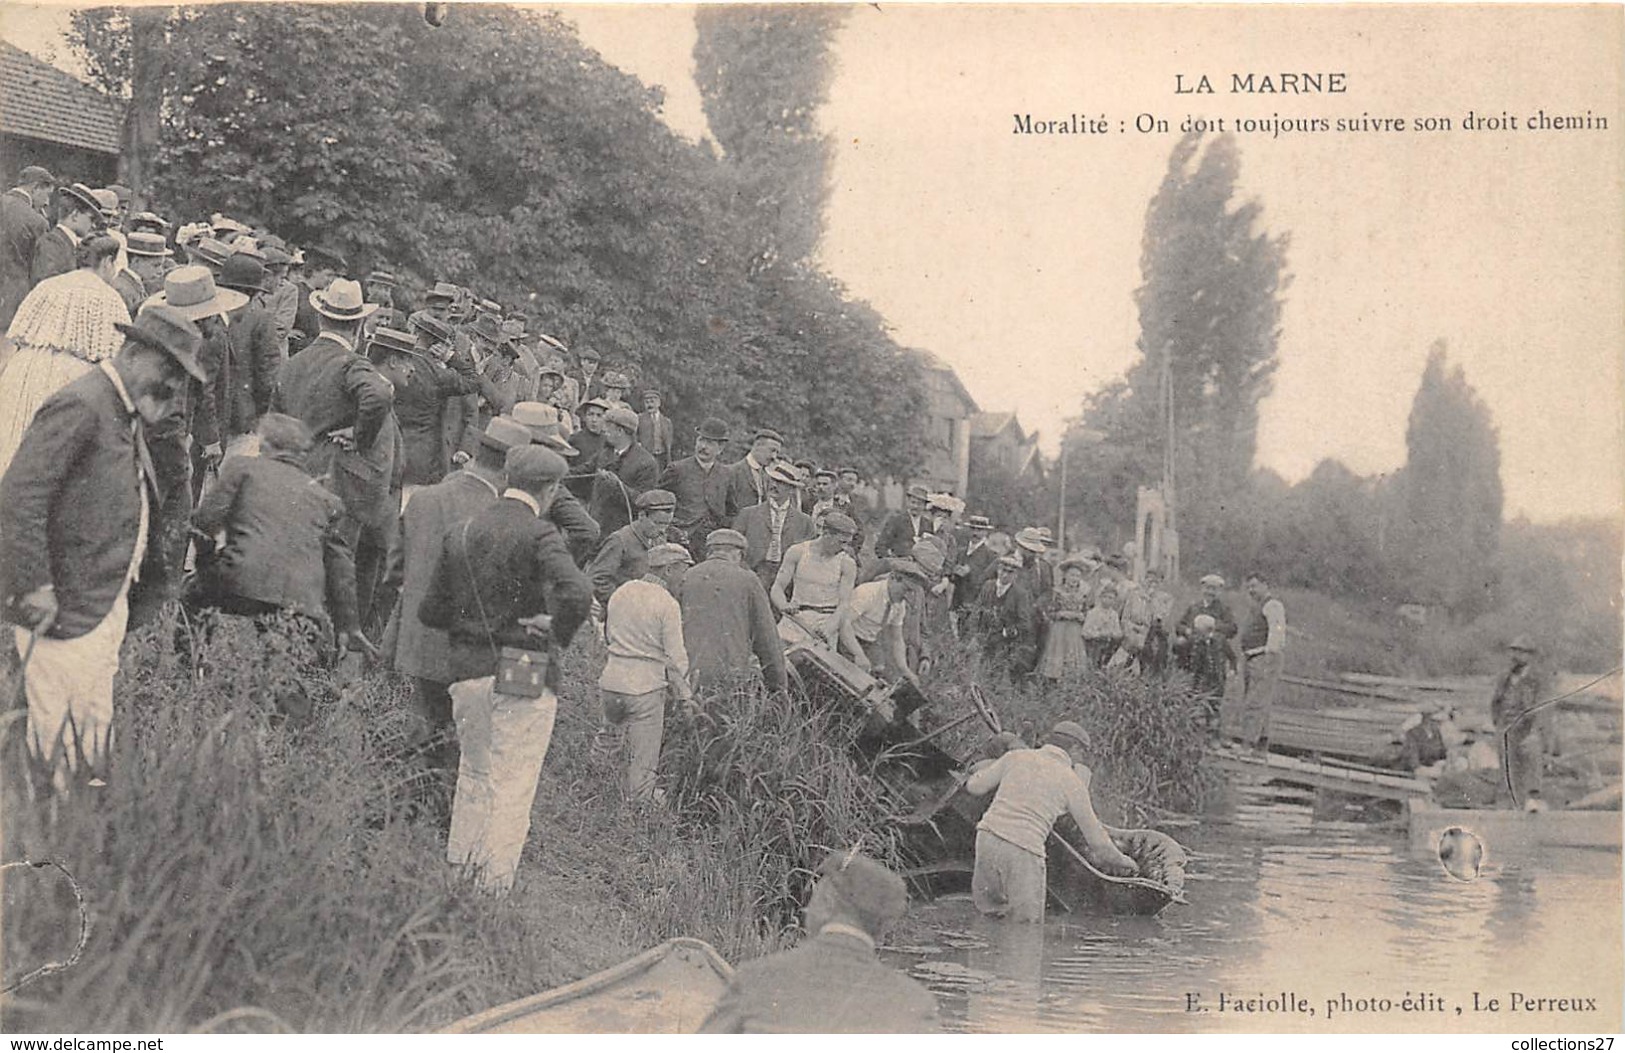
[(1451, 522), (1209, 308)]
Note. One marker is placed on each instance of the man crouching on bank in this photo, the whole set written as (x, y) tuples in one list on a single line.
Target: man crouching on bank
[(1035, 787)]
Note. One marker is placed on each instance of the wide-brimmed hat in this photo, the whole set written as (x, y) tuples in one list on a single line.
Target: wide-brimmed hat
[(146, 243), (535, 415), (622, 417), (82, 197), (839, 523), (726, 538), (393, 339), (191, 291), (106, 203), (505, 433), (1076, 559), (342, 301), (244, 273), (212, 251), (714, 429), (1030, 539), (784, 472), (170, 331)]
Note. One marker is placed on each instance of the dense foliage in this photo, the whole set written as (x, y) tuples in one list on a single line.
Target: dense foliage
[(500, 152)]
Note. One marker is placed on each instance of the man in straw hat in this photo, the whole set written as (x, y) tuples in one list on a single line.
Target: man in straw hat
[(974, 563), (504, 580), (728, 620), (76, 511), (1034, 788), (774, 526), (1523, 735), (815, 581), (699, 483), (832, 981), (423, 654), (643, 627), (580, 529), (55, 251)]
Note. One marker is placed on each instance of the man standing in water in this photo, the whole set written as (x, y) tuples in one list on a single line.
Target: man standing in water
[(1035, 787), (832, 982)]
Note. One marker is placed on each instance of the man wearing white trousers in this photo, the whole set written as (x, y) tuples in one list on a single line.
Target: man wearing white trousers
[(644, 627), (504, 582)]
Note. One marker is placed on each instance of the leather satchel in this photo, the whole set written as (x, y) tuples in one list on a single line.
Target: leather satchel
[(521, 672)]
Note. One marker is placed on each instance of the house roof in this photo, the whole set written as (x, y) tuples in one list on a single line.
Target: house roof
[(42, 102), (938, 366), (987, 425)]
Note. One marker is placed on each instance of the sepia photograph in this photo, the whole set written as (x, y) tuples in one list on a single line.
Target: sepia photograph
[(630, 518)]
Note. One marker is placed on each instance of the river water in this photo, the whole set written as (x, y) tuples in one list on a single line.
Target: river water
[(1292, 911)]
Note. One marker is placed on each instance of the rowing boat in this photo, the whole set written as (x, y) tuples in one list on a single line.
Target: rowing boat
[(1509, 832), (666, 990)]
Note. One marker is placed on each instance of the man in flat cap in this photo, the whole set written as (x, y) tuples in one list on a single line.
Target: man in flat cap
[(902, 528), (654, 429), (1035, 788), (423, 654), (625, 470), (1224, 623), (747, 477), (22, 223), (773, 526), (624, 555), (832, 982), (504, 580), (150, 259), (77, 507), (643, 628), (728, 619), (55, 250), (699, 483)]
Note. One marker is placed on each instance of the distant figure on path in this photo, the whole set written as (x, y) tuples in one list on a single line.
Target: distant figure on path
[(1523, 740), (1263, 649)]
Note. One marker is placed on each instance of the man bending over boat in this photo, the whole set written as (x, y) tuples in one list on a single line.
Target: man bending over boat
[(1035, 788)]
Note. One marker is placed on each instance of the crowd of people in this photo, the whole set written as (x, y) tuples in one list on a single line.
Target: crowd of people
[(212, 414)]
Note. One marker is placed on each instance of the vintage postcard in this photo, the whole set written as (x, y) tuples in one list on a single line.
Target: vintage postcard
[(988, 518)]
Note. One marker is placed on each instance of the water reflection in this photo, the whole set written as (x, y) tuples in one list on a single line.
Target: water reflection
[(1293, 911)]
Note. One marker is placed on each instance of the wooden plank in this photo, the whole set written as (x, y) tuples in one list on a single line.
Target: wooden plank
[(1323, 775), (1511, 831)]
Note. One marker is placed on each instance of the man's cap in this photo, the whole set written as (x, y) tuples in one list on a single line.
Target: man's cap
[(424, 322), (1077, 559), (1214, 580), (79, 197), (616, 380), (146, 243), (191, 291), (342, 301), (767, 433), (212, 251), (726, 538), (1523, 643), (862, 889), (168, 330), (505, 433), (442, 292), (928, 555), (598, 404), (530, 466), (271, 241), (550, 369), (244, 273), (34, 175), (784, 472), (839, 523), (1030, 539), (713, 428), (275, 256), (106, 202), (382, 278), (909, 568), (667, 553), (655, 500), (588, 353), (623, 417), (1073, 730), (149, 221), (393, 339), (918, 492), (851, 471), (824, 473), (979, 523), (1009, 559), (651, 393)]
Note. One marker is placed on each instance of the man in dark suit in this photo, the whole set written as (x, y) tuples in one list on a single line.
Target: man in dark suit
[(625, 470), (349, 408), (832, 982), (422, 653), (321, 266), (22, 222), (1007, 615), (77, 508), (700, 485), (770, 528), (902, 529), (972, 569), (747, 478), (254, 353), (654, 429), (505, 579), (56, 250)]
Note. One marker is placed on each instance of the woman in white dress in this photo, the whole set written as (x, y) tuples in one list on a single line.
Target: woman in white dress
[(62, 329)]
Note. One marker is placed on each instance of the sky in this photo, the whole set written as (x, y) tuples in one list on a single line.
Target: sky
[(1015, 258)]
